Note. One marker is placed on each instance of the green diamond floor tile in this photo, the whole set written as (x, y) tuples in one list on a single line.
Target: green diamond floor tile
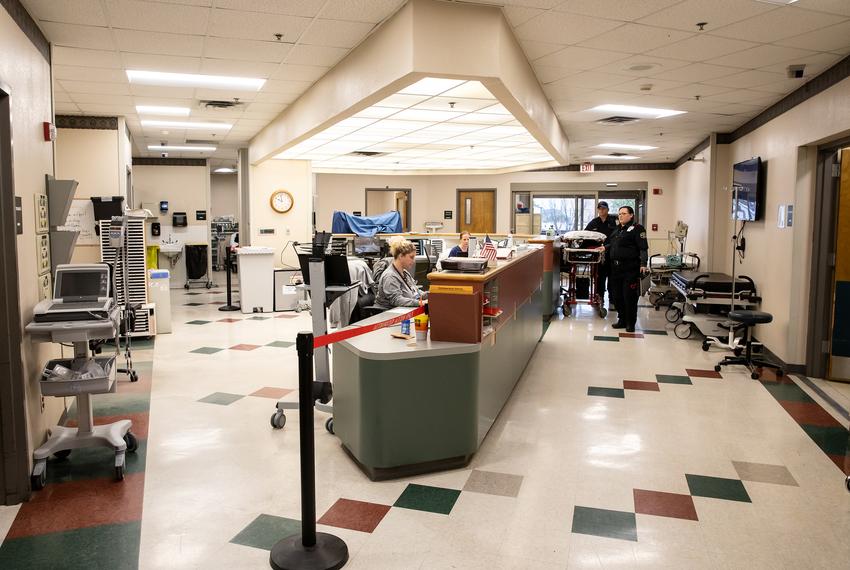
[(672, 379), (206, 350), (265, 530), (653, 332), (429, 499), (609, 392), (281, 344), (221, 398), (197, 322), (832, 440), (113, 546), (193, 304), (602, 522), (258, 318), (93, 463), (717, 488), (607, 338), (787, 392)]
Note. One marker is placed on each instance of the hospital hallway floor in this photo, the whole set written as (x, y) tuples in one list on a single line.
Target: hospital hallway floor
[(614, 451)]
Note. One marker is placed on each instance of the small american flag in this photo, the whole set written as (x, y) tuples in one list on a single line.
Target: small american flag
[(489, 249)]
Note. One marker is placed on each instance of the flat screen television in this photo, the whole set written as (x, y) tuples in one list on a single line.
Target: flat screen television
[(748, 180)]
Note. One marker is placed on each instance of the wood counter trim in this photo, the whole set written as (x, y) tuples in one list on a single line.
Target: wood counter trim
[(503, 264)]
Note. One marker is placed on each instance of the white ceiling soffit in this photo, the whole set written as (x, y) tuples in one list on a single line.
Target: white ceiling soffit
[(426, 39)]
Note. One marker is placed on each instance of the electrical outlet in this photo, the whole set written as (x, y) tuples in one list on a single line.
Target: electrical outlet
[(43, 245), (42, 225), (45, 290)]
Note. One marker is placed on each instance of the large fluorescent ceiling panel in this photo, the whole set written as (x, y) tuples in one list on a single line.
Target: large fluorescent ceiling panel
[(399, 103), (434, 124)]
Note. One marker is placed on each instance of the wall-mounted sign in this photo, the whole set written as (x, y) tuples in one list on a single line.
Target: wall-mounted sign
[(200, 214), (447, 214), (586, 167), (19, 216)]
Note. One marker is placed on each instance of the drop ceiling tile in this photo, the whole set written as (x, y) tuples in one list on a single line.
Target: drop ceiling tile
[(86, 57), (574, 57), (562, 28), (841, 7), (159, 43), (371, 11), (316, 55), (256, 26), (291, 72), (470, 90), (248, 50), (60, 96), (162, 92), (635, 38), (636, 85), (104, 109), (73, 35), (777, 25), (224, 95), (517, 15), (815, 64), (157, 17), (615, 9), (235, 68), (535, 50), (88, 12), (77, 73), (761, 56), (739, 109), (454, 104), (335, 33), (255, 107), (834, 38), (701, 48), (250, 123), (200, 111), (276, 97), (165, 102), (643, 65), (203, 3), (63, 107), (308, 8), (95, 87), (95, 98), (548, 74), (169, 63), (596, 80), (717, 13), (695, 72), (782, 85), (284, 86), (744, 96), (746, 79), (692, 90)]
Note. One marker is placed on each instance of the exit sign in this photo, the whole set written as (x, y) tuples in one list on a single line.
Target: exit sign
[(586, 167)]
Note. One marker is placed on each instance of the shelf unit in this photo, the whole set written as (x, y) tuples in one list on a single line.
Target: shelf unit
[(136, 272)]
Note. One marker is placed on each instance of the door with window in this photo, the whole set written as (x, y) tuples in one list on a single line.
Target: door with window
[(617, 200), (563, 213), (839, 345), (476, 211)]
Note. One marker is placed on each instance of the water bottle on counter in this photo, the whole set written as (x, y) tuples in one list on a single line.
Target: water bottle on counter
[(405, 326)]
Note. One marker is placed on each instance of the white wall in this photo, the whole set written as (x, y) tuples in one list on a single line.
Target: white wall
[(187, 189), (432, 194), (692, 202), (296, 177), (224, 195), (779, 260), (27, 74)]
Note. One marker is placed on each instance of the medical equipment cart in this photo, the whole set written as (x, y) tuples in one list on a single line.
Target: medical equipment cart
[(583, 253)]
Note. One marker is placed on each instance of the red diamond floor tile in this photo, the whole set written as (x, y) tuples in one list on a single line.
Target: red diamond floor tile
[(631, 335), (638, 385), (809, 413), (661, 504), (245, 347), (696, 373), (271, 392), (354, 515)]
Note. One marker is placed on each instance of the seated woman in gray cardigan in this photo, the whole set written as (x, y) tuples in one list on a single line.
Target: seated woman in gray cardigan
[(397, 287)]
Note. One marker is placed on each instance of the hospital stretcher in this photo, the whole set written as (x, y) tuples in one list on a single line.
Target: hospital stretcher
[(661, 292), (707, 298), (581, 256)]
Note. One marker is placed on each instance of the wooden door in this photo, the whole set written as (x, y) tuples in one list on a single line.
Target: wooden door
[(839, 354), (476, 211)]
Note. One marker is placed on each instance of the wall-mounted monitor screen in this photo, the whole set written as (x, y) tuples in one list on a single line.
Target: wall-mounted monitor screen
[(747, 194)]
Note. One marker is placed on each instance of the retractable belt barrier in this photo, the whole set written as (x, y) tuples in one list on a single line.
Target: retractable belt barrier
[(347, 333)]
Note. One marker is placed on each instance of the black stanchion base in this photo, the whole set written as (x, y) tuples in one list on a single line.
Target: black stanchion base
[(329, 553), (229, 308)]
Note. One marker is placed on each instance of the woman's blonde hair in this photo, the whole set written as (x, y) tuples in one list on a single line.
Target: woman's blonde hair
[(401, 246)]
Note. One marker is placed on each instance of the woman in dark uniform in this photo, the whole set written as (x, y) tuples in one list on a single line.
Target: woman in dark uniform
[(627, 249)]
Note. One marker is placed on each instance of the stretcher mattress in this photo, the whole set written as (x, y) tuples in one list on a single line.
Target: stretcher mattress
[(711, 282)]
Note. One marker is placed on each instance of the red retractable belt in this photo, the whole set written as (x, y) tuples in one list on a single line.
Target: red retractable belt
[(357, 330)]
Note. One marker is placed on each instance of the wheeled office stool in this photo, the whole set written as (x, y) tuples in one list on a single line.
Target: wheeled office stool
[(748, 319)]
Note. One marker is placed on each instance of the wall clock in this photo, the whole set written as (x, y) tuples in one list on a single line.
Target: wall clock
[(281, 201)]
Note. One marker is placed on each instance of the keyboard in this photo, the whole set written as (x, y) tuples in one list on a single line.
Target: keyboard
[(76, 306)]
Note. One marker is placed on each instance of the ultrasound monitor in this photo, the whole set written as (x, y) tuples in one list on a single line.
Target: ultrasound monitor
[(81, 282)]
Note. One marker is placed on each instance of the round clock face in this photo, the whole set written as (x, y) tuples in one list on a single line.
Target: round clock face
[(281, 201)]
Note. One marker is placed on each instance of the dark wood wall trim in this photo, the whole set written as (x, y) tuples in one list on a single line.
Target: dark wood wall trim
[(28, 26), (86, 122), (153, 161), (611, 167)]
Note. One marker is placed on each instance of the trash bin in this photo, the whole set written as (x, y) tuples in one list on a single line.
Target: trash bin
[(158, 287), (256, 279)]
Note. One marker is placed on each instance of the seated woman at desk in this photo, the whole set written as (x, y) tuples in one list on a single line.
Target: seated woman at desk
[(397, 287), (462, 249)]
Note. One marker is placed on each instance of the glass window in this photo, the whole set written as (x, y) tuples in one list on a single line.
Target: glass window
[(558, 212)]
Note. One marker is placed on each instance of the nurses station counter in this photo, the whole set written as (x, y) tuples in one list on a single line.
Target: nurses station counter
[(551, 273), (403, 409)]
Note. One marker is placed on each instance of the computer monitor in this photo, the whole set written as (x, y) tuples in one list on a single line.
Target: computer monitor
[(81, 282), (367, 245), (336, 269)]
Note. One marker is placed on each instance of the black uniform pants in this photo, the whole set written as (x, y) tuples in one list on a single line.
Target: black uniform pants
[(602, 273), (625, 290)]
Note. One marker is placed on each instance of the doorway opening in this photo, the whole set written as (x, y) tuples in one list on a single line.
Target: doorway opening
[(383, 200)]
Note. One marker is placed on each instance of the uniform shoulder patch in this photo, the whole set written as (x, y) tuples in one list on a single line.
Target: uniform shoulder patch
[(643, 235)]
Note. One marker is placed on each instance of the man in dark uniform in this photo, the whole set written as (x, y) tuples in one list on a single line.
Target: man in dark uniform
[(628, 250), (604, 224)]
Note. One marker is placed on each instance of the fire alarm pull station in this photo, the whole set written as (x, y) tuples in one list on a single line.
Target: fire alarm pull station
[(655, 227)]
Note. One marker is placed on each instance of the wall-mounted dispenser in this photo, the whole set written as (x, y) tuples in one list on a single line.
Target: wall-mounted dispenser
[(179, 220), (156, 229), (163, 206)]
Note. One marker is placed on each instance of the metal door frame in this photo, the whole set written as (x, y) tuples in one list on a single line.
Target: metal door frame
[(495, 209), (14, 452)]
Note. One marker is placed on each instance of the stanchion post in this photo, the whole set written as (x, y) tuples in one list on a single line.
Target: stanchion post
[(229, 306), (312, 550)]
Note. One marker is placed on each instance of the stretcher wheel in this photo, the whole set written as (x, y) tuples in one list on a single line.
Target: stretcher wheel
[(131, 441), (717, 368), (119, 472), (682, 330), (603, 312), (673, 315), (755, 375), (705, 346), (329, 425), (133, 376), (38, 481), (278, 420), (209, 285), (62, 454), (186, 286)]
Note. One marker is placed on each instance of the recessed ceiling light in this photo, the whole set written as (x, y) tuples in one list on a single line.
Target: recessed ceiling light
[(614, 157), (224, 170), (194, 80), (649, 112), (626, 146), (181, 148), (187, 125), (156, 110)]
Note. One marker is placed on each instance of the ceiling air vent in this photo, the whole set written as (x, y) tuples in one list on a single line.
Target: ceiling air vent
[(215, 104), (617, 154), (617, 120), (366, 153), (199, 141)]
